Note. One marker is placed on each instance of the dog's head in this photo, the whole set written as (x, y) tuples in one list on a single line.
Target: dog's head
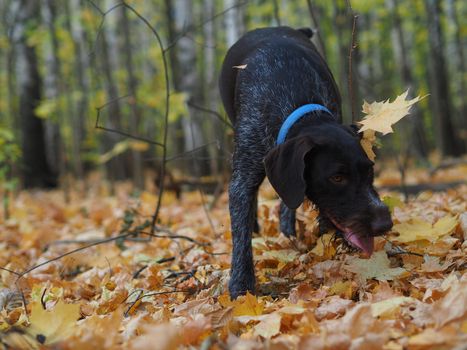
[(328, 165)]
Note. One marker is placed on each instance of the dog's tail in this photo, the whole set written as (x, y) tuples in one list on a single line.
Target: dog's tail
[(307, 31)]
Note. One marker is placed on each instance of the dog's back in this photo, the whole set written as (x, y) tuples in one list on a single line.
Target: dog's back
[(282, 59)]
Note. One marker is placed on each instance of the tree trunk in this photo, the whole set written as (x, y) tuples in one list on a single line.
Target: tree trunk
[(174, 131), (36, 170), (340, 24), (135, 118), (189, 83), (211, 96), (234, 26), (312, 10), (54, 144), (81, 63), (111, 115), (400, 52), (446, 137), (459, 66)]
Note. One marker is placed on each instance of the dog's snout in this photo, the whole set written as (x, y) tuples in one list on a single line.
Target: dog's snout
[(381, 222)]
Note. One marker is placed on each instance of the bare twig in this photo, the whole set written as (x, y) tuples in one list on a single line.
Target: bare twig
[(192, 28), (210, 111), (119, 132), (163, 145), (174, 236), (353, 46), (317, 31)]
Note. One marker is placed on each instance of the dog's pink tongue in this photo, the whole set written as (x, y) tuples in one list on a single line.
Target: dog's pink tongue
[(365, 243)]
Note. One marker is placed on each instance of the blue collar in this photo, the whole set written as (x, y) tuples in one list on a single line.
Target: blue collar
[(295, 116)]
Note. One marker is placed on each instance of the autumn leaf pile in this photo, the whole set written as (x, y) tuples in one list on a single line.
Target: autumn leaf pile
[(170, 291)]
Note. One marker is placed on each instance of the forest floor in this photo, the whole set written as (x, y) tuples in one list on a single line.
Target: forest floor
[(170, 291)]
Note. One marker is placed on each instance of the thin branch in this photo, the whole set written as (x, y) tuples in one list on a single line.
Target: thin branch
[(184, 154), (119, 132), (317, 32), (193, 28), (210, 111), (175, 236), (353, 45)]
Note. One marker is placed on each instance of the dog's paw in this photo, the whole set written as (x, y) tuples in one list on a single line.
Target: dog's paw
[(241, 285), (288, 228)]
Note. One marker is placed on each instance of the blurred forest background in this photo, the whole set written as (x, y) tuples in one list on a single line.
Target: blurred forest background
[(65, 63)]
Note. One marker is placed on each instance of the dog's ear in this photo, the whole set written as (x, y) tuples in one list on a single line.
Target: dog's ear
[(285, 167)]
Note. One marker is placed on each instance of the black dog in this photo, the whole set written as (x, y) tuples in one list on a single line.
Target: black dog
[(269, 76)]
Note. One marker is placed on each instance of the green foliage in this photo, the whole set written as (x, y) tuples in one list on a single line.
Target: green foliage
[(9, 155)]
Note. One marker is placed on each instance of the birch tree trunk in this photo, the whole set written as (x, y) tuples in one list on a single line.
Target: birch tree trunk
[(54, 147), (234, 24), (189, 83), (135, 118), (112, 115)]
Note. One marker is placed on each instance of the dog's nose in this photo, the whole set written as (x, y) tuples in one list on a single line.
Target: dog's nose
[(382, 221)]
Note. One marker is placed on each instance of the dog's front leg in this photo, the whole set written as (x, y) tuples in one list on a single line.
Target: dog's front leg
[(242, 204), (287, 220)]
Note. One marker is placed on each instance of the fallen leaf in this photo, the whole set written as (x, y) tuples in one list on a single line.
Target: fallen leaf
[(324, 247), (164, 336), (453, 306), (418, 229), (269, 326), (283, 255), (332, 307), (389, 307), (52, 326), (376, 267), (245, 305)]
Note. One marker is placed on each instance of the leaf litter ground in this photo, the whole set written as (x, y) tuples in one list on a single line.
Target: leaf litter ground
[(170, 291)]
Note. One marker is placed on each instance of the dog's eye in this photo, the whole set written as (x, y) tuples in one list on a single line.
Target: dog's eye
[(337, 179)]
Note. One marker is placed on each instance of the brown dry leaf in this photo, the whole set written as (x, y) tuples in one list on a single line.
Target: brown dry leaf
[(380, 116), (377, 267), (324, 247), (389, 307), (52, 326), (436, 339), (166, 336), (332, 307), (368, 141), (453, 306), (98, 332), (269, 326)]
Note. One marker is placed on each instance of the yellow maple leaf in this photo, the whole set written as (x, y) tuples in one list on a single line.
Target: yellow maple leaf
[(377, 267), (51, 326), (380, 116), (418, 229), (247, 305)]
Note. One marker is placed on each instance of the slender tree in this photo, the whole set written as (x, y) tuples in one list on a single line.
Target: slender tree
[(405, 71), (447, 138), (36, 170), (137, 165)]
